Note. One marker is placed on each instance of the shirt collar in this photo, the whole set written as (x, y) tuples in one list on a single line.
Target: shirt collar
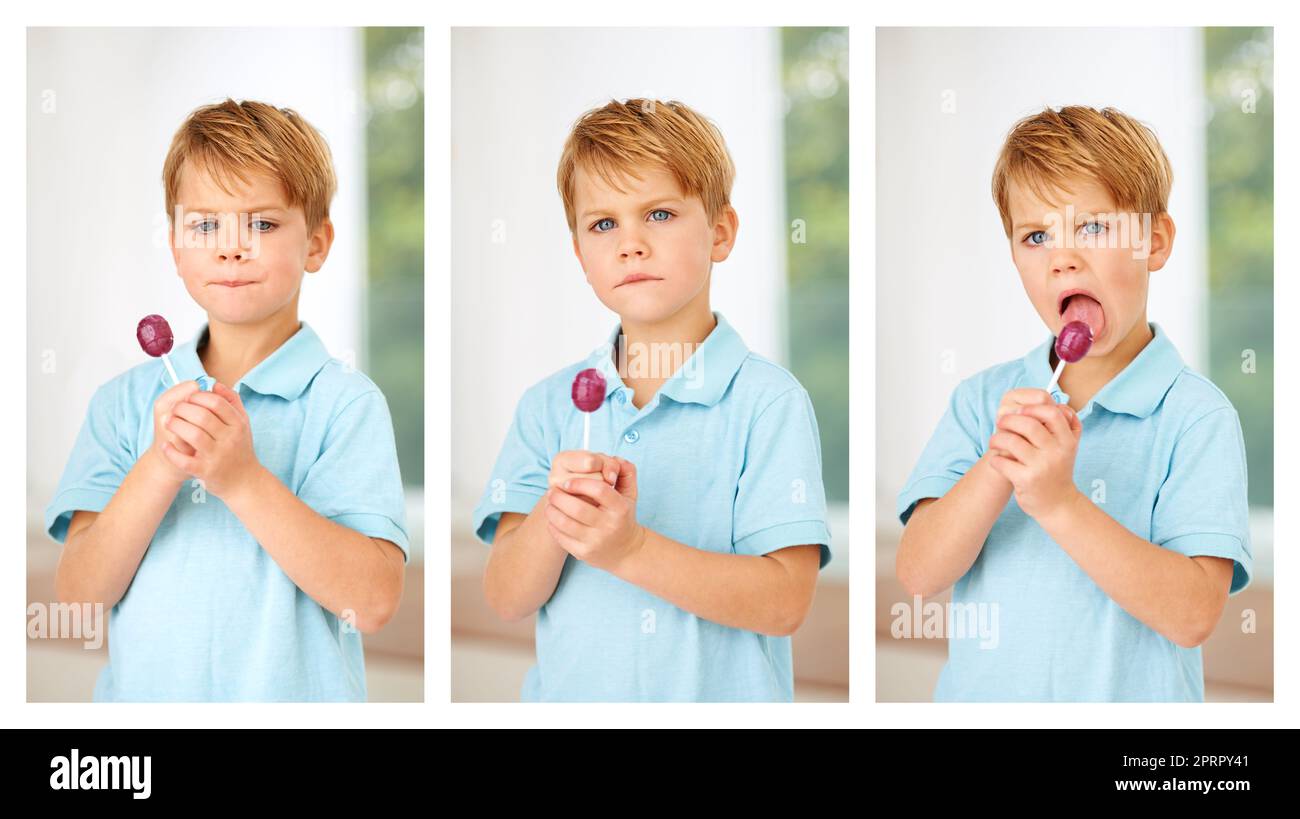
[(702, 378), (285, 372), (1137, 390)]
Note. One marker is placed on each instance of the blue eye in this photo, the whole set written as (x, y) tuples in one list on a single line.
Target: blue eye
[(206, 226), (1100, 226), (269, 225), (1030, 238), (597, 227), (667, 215)]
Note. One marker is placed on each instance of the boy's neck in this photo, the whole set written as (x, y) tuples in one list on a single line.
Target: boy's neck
[(1084, 379), (688, 326), (233, 350)]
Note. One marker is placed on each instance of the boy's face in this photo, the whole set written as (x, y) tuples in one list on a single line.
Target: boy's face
[(242, 254), (647, 250), (1082, 243)]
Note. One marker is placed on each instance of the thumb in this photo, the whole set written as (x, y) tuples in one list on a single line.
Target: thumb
[(230, 395), (609, 470), (1076, 426), (626, 485)]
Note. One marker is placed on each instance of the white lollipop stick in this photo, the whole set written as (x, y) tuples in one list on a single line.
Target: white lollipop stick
[(586, 431), (1056, 376), (171, 370)]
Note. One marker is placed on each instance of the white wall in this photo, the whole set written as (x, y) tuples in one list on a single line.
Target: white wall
[(521, 308), (944, 277), (95, 197)]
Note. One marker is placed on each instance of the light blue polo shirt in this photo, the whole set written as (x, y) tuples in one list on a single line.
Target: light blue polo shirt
[(1162, 453), (209, 616), (728, 460)]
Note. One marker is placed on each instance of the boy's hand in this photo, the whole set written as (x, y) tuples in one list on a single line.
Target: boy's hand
[(216, 427), (1039, 443), (1013, 400), (162, 413), (596, 522), (577, 463)]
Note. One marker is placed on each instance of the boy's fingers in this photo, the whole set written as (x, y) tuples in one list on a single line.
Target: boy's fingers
[(217, 405), (187, 432), (577, 508), (1028, 425), (579, 461), (199, 416), (598, 491), (176, 394), (626, 484), (1050, 417), (231, 395), (1018, 448), (1029, 395)]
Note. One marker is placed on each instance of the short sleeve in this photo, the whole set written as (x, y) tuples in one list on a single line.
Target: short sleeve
[(355, 480), (780, 499), (100, 460), (521, 472), (1202, 506), (952, 450)]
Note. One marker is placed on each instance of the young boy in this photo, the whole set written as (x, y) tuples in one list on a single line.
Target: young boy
[(1108, 529), (242, 535), (675, 559)]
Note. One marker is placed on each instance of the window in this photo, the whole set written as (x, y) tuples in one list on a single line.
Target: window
[(1239, 190), (394, 89), (815, 70)]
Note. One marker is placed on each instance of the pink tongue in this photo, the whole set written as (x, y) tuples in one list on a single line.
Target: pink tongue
[(1086, 309)]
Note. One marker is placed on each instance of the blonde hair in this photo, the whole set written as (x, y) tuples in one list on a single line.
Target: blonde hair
[(618, 138), (233, 139), (1046, 150)]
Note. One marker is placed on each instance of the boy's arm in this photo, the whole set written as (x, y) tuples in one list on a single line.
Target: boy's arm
[(769, 594), (103, 550), (1180, 597), (944, 536), (596, 523), (524, 564), (1184, 604), (357, 577)]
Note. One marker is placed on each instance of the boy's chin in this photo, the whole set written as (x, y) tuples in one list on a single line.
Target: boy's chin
[(235, 317), (640, 313)]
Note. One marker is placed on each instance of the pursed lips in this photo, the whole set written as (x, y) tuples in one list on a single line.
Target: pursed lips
[(636, 278)]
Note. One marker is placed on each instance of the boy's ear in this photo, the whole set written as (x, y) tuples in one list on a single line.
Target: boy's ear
[(1162, 241), (724, 234), (318, 249), (576, 250)]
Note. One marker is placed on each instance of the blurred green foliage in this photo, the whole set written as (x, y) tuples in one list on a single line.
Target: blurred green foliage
[(815, 71), (394, 96), (1239, 164)]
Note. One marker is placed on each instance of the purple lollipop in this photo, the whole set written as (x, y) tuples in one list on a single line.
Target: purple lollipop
[(588, 394), (155, 337), (1071, 345)]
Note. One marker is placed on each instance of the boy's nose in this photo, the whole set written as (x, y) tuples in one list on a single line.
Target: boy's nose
[(633, 248)]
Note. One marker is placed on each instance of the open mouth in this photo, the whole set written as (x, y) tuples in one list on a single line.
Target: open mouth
[(1082, 305)]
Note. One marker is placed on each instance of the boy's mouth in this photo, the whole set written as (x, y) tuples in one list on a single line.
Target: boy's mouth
[(233, 283), (1082, 305), (633, 278)]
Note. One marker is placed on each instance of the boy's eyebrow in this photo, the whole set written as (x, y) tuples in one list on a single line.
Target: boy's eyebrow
[(1079, 215), (665, 200), (254, 209)]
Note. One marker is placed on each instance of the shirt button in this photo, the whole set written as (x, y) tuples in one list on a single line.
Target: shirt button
[(632, 437)]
